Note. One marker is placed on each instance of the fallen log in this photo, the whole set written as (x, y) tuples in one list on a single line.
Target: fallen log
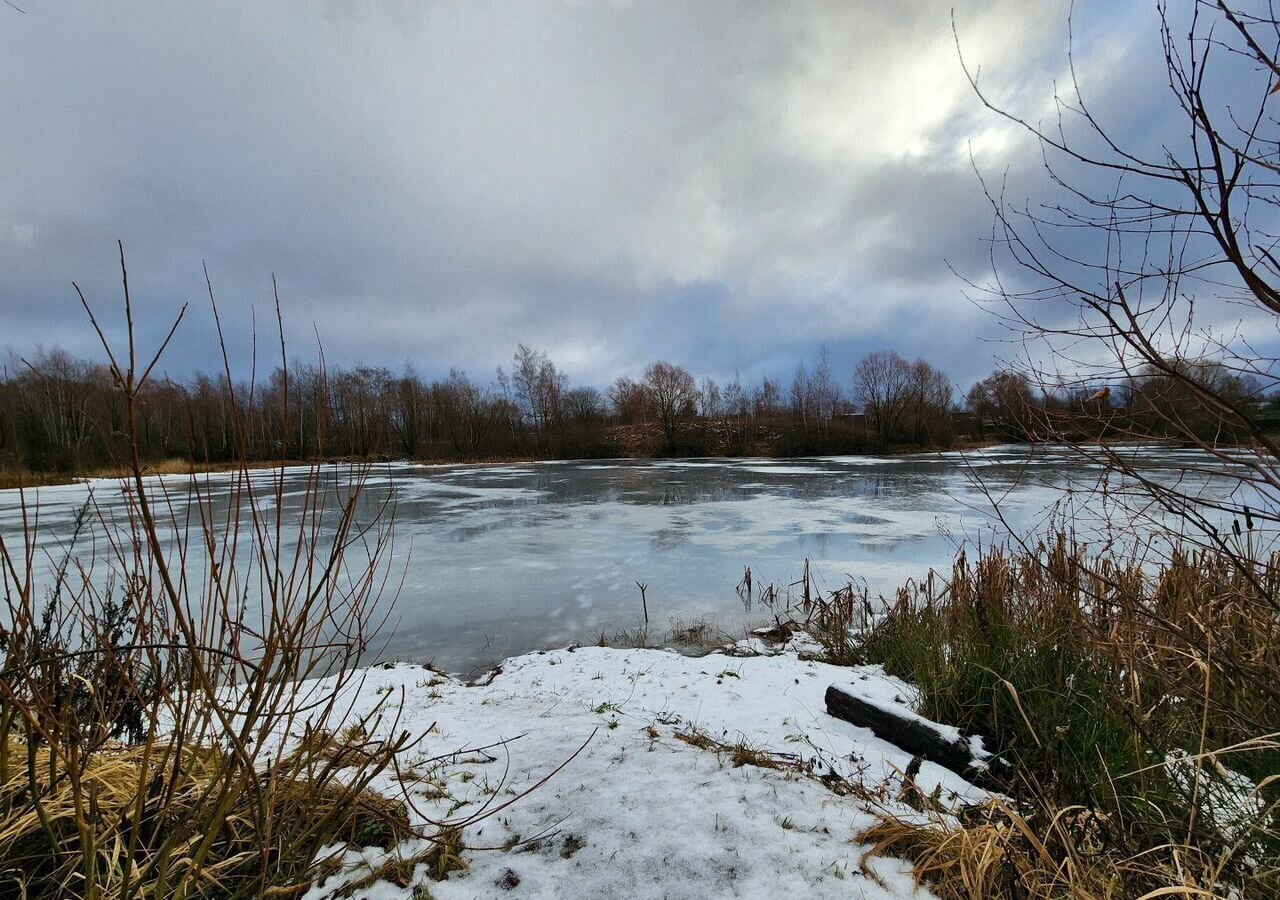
[(908, 730)]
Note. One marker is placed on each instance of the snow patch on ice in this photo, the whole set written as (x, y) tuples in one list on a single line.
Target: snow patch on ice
[(786, 470)]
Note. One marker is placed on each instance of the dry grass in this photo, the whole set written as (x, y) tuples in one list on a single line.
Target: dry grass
[(125, 816), (139, 717), (637, 638), (1089, 675), (997, 854), (695, 635), (441, 856), (741, 753), (11, 478), (994, 852)]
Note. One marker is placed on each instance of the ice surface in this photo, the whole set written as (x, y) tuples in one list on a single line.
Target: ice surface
[(497, 560), (786, 470)]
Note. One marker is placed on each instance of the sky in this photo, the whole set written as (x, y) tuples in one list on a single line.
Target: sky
[(726, 185)]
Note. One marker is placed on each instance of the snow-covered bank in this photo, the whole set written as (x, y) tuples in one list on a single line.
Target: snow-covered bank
[(639, 812)]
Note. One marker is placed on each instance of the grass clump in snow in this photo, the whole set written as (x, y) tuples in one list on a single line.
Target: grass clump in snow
[(740, 752), (997, 853), (441, 855), (695, 635), (1138, 710)]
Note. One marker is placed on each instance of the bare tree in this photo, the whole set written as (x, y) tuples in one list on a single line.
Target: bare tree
[(929, 405), (61, 397), (768, 398), (826, 393), (472, 412), (1167, 406), (629, 400), (737, 408), (410, 412), (1004, 400), (539, 387), (1137, 273), (584, 406), (802, 397), (673, 393), (882, 386), (360, 399), (708, 398)]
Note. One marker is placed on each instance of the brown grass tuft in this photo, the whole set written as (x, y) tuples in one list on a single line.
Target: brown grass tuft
[(986, 861)]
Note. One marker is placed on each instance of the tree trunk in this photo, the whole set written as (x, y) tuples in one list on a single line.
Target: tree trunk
[(904, 729)]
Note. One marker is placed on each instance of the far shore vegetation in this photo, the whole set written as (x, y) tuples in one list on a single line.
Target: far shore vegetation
[(61, 417)]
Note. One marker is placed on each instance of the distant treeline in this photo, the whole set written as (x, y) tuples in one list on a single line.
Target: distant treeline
[(62, 414), (1174, 400)]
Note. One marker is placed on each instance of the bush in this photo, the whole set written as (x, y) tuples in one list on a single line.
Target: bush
[(149, 714)]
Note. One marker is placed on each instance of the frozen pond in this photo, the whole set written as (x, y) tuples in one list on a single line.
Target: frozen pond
[(497, 560)]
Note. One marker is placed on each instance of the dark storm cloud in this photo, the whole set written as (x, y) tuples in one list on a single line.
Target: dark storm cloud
[(729, 185)]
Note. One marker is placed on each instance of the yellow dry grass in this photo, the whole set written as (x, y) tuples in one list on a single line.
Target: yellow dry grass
[(1000, 856), (138, 815)]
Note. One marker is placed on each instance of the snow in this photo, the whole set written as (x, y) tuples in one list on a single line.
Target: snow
[(787, 470), (1229, 802), (638, 812)]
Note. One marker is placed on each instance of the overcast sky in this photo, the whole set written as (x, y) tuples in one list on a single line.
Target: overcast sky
[(724, 185)]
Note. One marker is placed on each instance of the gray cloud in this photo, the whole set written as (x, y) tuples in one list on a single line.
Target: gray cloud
[(729, 185)]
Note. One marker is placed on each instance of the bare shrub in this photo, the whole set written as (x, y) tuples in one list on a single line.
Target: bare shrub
[(153, 733)]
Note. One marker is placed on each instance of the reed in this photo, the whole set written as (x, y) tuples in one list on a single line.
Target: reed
[(1141, 702)]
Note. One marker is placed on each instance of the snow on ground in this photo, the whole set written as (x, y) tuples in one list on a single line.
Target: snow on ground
[(638, 812)]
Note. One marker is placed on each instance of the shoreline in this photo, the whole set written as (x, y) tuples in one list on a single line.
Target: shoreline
[(172, 468), (24, 479)]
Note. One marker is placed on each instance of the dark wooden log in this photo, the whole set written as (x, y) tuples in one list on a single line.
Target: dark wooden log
[(905, 730)]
